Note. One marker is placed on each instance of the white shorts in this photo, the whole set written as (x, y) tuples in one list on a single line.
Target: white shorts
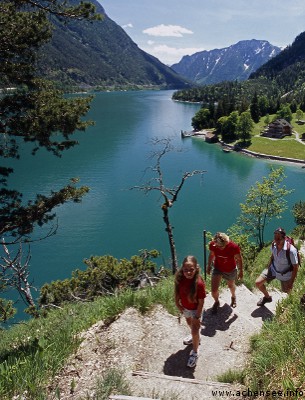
[(189, 313)]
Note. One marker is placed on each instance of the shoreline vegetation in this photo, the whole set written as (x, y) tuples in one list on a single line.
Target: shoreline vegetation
[(227, 147)]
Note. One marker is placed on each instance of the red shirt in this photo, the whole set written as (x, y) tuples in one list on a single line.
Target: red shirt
[(185, 289), (224, 258)]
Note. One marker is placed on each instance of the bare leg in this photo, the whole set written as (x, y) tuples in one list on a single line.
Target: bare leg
[(215, 282), (260, 284), (232, 287), (195, 328), (189, 322)]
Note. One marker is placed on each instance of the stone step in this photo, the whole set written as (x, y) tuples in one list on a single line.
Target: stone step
[(183, 388), (122, 397)]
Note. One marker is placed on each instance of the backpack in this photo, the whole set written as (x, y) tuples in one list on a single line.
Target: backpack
[(289, 241)]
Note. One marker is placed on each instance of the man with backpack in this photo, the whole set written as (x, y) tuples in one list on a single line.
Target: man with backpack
[(283, 265)]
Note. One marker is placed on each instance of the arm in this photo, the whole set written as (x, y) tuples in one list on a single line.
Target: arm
[(239, 263), (178, 303), (210, 261), (199, 308), (196, 320), (294, 273)]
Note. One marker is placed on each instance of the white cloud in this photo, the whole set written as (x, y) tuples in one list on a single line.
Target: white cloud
[(127, 26), (167, 30), (171, 55)]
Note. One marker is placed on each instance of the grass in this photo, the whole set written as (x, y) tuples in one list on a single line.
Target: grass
[(232, 376), (278, 360), (32, 353), (113, 382), (286, 147)]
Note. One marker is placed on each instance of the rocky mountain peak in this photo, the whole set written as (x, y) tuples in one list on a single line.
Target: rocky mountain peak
[(235, 62)]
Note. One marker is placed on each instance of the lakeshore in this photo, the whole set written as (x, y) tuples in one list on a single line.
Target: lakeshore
[(262, 155), (232, 147)]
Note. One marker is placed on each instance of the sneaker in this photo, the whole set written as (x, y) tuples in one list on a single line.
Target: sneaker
[(215, 307), (192, 361), (264, 300), (188, 340)]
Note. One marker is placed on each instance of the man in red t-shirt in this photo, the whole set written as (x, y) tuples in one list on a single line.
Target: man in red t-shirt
[(225, 256)]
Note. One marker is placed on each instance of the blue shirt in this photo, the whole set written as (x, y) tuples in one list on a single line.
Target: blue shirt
[(280, 263)]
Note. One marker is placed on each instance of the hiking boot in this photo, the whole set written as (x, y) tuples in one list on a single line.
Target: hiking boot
[(215, 307), (188, 340), (192, 361), (264, 300)]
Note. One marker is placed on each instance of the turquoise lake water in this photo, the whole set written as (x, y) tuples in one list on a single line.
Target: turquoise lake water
[(113, 156)]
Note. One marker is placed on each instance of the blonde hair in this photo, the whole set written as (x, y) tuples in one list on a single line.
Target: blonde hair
[(179, 275), (221, 238)]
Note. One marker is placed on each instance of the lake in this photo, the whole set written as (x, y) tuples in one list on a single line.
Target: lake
[(112, 157)]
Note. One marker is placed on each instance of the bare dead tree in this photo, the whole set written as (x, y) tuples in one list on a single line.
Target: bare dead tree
[(14, 274), (170, 195)]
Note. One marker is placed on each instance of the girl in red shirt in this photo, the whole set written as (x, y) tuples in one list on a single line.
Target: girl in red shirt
[(189, 297)]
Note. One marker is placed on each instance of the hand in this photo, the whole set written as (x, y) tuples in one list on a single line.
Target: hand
[(240, 274), (208, 269)]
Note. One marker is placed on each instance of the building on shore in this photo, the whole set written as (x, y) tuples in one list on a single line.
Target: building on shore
[(278, 129)]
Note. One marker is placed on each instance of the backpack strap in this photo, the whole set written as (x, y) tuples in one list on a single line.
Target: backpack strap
[(288, 255)]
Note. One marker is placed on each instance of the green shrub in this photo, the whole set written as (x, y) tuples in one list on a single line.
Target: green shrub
[(103, 276)]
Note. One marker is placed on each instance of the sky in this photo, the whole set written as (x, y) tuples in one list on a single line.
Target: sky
[(171, 29)]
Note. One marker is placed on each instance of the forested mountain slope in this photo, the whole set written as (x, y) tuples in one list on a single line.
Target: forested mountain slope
[(100, 53), (289, 57), (287, 69), (282, 79)]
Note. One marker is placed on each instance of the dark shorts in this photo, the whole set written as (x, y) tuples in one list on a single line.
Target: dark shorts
[(228, 276), (267, 274)]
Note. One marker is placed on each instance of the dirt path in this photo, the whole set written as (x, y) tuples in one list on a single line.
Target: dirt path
[(150, 350)]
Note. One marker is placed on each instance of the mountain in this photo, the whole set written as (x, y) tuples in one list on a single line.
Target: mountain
[(100, 53), (288, 59), (235, 62), (287, 71)]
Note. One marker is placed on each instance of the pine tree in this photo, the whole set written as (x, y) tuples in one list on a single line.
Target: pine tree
[(254, 109), (32, 109)]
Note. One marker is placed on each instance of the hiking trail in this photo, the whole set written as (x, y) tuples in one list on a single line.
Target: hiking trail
[(150, 351)]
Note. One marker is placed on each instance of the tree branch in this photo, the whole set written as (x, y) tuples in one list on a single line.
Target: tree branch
[(170, 195)]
